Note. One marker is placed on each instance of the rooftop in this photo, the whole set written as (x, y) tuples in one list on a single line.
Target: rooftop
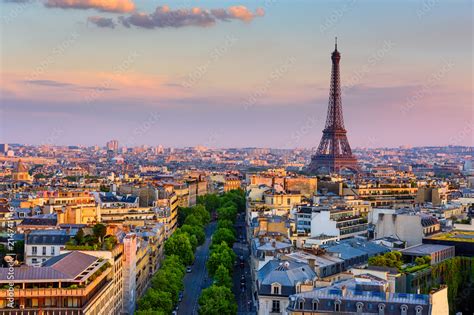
[(424, 249), (69, 267), (284, 272), (372, 292), (456, 236)]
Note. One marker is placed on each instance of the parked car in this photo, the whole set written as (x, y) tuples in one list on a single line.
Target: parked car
[(189, 269)]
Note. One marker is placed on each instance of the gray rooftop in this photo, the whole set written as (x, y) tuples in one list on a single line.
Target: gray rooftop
[(424, 249)]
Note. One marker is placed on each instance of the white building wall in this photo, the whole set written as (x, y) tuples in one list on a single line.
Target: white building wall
[(407, 228), (322, 224)]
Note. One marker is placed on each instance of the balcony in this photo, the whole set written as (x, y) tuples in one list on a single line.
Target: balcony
[(57, 292)]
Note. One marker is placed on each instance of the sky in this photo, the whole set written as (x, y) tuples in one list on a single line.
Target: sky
[(234, 73)]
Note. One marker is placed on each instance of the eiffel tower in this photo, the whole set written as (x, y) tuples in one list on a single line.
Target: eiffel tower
[(334, 153)]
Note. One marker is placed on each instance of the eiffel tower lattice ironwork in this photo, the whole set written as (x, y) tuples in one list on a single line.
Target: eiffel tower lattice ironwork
[(334, 152)]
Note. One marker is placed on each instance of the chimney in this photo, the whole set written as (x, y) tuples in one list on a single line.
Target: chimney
[(344, 290)]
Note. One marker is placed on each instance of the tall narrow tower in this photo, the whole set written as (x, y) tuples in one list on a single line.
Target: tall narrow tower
[(334, 152)]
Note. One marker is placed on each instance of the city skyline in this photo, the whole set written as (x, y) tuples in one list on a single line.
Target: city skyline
[(232, 75)]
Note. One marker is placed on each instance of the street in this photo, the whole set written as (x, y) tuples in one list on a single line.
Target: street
[(243, 294), (198, 279)]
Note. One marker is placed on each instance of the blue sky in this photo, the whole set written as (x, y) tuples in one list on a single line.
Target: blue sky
[(249, 79)]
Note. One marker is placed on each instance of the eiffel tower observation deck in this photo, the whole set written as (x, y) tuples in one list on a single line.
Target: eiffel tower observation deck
[(334, 153)]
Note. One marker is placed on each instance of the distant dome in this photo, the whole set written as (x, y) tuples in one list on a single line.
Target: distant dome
[(21, 167)]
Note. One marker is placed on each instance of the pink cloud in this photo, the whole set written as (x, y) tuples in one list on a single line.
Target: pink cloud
[(166, 17), (120, 6)]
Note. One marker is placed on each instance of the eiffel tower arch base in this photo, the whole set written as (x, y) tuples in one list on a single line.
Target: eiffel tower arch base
[(323, 165)]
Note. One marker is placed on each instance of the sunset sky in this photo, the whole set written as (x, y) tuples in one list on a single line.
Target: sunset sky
[(234, 73)]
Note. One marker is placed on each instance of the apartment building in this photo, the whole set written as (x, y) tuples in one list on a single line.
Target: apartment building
[(367, 294), (72, 283)]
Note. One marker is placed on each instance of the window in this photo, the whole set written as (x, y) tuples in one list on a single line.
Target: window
[(359, 306), (419, 309), (44, 250), (300, 304), (52, 251), (34, 260), (275, 306), (50, 302), (72, 302), (315, 305), (276, 288), (34, 250), (337, 306), (404, 309), (381, 309)]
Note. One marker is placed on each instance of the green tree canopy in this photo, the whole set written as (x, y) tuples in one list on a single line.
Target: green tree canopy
[(179, 244), (217, 300), (156, 300), (99, 230), (223, 235), (224, 223), (202, 213), (221, 254), (227, 213), (223, 277), (390, 259), (167, 280), (193, 220), (197, 231), (210, 201)]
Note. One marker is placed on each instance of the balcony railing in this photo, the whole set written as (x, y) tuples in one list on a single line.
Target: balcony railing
[(55, 292)]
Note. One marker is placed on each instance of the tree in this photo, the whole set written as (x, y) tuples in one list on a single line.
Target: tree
[(180, 245), (217, 300), (193, 220), (202, 213), (156, 300), (79, 237), (19, 249), (227, 213), (166, 280), (223, 235), (99, 230), (196, 231), (419, 261), (238, 197), (222, 277), (173, 262), (210, 201), (183, 212), (427, 259), (224, 223), (220, 255), (390, 259)]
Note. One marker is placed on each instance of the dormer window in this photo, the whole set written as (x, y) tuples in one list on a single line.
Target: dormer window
[(419, 309), (276, 288), (404, 309), (381, 309), (300, 304)]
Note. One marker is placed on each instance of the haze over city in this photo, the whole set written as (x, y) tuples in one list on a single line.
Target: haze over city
[(243, 73)]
